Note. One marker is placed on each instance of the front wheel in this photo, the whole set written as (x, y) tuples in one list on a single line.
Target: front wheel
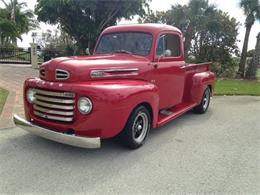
[(137, 128), (204, 104)]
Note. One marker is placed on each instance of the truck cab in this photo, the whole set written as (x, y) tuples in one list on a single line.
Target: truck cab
[(136, 79)]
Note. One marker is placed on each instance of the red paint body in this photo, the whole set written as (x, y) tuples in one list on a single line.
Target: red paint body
[(161, 83)]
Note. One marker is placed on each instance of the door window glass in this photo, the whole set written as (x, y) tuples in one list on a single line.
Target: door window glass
[(160, 48), (168, 46)]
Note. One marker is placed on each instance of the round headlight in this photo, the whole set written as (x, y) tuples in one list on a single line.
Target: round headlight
[(30, 95), (84, 105)]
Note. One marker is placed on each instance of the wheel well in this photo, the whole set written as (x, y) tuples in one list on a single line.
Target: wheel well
[(148, 107), (210, 87)]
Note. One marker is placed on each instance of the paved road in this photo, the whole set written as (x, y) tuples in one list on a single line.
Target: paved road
[(214, 153)]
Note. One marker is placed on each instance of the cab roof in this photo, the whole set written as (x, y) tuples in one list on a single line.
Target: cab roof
[(149, 27)]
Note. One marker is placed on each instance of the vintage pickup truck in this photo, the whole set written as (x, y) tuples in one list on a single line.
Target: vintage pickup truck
[(135, 80)]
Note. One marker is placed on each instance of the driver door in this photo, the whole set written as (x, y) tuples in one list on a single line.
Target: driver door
[(169, 73)]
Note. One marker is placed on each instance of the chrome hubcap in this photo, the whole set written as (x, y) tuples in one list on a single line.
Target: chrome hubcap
[(206, 97), (140, 127)]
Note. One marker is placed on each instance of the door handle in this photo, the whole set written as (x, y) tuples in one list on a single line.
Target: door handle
[(155, 65)]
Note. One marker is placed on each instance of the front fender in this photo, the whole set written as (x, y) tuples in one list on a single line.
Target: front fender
[(117, 99)]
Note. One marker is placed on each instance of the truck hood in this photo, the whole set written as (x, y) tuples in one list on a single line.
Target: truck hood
[(85, 68)]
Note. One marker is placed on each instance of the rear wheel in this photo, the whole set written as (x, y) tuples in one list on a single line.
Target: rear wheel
[(204, 104), (137, 128)]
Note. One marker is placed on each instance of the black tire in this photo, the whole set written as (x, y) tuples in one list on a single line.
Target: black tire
[(205, 101), (137, 128)]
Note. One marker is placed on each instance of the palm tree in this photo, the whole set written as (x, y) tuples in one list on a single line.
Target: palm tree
[(21, 19), (255, 62), (11, 7), (189, 18), (252, 11), (8, 30)]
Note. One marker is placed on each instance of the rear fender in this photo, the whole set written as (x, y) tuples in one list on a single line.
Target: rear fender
[(200, 81)]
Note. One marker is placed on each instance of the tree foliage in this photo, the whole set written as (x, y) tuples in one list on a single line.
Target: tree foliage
[(210, 34), (8, 31), (83, 20), (15, 20), (252, 11), (216, 39), (57, 43)]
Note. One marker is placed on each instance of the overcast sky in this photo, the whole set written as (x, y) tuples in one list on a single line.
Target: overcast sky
[(230, 6)]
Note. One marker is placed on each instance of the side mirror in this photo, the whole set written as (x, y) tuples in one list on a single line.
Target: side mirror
[(191, 58), (87, 51), (167, 53)]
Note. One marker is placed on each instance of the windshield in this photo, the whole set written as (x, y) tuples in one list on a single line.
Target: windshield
[(136, 43)]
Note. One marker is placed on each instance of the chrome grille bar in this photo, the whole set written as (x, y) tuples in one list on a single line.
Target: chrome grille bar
[(54, 105), (58, 118), (48, 105), (42, 72), (49, 111), (62, 74), (56, 94), (55, 100)]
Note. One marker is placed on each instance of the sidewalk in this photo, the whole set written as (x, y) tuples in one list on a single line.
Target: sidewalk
[(12, 78)]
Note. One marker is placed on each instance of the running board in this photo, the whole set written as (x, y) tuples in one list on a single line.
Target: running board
[(167, 115), (166, 112)]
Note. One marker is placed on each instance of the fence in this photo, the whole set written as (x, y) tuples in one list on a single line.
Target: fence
[(15, 55)]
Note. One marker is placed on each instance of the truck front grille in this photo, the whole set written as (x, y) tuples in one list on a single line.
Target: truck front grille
[(58, 106)]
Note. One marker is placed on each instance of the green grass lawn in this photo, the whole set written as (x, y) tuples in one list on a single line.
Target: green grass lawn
[(3, 96), (237, 87)]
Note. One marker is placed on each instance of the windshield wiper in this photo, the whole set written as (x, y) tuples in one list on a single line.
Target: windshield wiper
[(123, 51)]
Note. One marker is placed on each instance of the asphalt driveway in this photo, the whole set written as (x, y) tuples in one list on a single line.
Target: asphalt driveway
[(218, 152)]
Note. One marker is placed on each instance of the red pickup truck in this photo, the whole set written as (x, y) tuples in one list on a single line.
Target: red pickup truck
[(135, 80)]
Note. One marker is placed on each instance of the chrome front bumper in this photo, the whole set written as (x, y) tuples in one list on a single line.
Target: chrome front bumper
[(83, 142)]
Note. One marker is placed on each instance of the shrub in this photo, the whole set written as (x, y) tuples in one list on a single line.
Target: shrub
[(226, 70)]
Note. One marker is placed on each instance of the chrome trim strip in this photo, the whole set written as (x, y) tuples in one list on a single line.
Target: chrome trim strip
[(55, 100), (38, 108), (47, 116), (57, 94), (122, 70), (73, 140), (62, 73), (121, 75), (63, 107), (125, 72)]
